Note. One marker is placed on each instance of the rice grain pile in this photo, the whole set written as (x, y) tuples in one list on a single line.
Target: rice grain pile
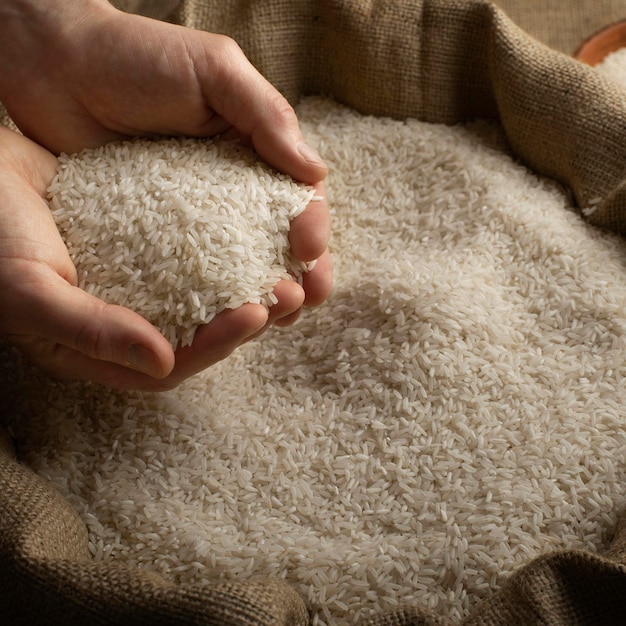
[(613, 66), (454, 410), (177, 229)]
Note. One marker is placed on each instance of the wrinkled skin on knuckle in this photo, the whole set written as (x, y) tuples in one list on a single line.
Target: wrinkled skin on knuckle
[(226, 46), (241, 93), (280, 109), (275, 114), (224, 58), (93, 340)]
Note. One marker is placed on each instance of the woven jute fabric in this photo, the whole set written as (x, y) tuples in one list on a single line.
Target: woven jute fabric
[(436, 60), (444, 61)]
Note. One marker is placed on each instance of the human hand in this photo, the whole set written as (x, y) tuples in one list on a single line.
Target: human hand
[(106, 75), (61, 328)]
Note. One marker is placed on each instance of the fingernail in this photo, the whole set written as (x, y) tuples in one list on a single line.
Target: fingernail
[(143, 360), (309, 154)]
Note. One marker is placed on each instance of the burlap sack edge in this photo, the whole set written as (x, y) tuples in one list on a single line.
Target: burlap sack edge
[(44, 552)]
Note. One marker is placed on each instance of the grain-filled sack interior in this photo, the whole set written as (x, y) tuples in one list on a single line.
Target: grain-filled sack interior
[(452, 411)]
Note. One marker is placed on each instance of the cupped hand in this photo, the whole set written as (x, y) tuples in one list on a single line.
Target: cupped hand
[(67, 332), (79, 75), (83, 73)]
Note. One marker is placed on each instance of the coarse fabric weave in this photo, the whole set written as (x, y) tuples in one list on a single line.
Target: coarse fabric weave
[(443, 61), (439, 61)]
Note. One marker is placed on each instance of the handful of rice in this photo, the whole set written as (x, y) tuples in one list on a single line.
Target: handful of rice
[(177, 229)]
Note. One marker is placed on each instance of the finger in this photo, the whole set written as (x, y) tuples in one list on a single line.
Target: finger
[(68, 316), (61, 362), (309, 232), (318, 283), (212, 343), (290, 297), (316, 287), (288, 320), (215, 341), (239, 94)]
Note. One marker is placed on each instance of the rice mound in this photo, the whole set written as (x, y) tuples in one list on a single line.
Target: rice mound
[(453, 411), (613, 67), (177, 229)]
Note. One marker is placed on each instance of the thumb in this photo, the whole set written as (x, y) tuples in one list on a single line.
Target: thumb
[(69, 316)]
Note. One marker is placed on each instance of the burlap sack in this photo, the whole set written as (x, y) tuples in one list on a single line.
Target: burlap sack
[(437, 60), (443, 61)]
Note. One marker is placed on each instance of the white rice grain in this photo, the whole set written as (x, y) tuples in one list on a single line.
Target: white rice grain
[(613, 66)]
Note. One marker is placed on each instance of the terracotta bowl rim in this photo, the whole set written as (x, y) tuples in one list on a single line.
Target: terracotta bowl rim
[(602, 42)]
